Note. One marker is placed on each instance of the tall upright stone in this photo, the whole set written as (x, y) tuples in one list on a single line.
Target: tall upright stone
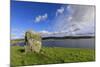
[(33, 42)]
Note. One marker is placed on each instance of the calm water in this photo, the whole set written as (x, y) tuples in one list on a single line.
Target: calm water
[(68, 43)]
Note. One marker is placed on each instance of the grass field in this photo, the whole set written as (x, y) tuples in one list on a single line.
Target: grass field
[(49, 55)]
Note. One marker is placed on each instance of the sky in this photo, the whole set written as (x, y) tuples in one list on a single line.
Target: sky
[(49, 18)]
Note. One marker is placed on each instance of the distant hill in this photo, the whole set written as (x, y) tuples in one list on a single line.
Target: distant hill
[(69, 37), (65, 37)]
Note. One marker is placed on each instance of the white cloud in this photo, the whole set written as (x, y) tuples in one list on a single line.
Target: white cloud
[(59, 11), (41, 18), (44, 32), (81, 16), (45, 16), (38, 19)]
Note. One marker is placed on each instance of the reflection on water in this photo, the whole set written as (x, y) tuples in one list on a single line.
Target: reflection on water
[(70, 43)]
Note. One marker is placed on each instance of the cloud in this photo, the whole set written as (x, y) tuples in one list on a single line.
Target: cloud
[(44, 32), (59, 11), (76, 19), (41, 18), (82, 13)]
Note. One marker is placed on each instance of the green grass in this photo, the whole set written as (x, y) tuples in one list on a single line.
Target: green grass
[(49, 55)]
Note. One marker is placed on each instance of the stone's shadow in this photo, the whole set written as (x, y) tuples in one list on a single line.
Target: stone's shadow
[(22, 50)]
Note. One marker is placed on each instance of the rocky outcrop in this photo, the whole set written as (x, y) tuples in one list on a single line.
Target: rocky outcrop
[(33, 42)]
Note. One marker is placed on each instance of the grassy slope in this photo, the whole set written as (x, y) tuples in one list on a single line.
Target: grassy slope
[(50, 55)]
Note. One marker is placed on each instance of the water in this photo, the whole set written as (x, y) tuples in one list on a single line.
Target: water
[(68, 43)]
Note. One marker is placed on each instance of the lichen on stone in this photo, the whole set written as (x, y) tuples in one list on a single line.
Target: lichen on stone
[(32, 41)]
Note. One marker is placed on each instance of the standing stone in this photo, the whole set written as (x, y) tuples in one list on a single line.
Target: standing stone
[(33, 42)]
